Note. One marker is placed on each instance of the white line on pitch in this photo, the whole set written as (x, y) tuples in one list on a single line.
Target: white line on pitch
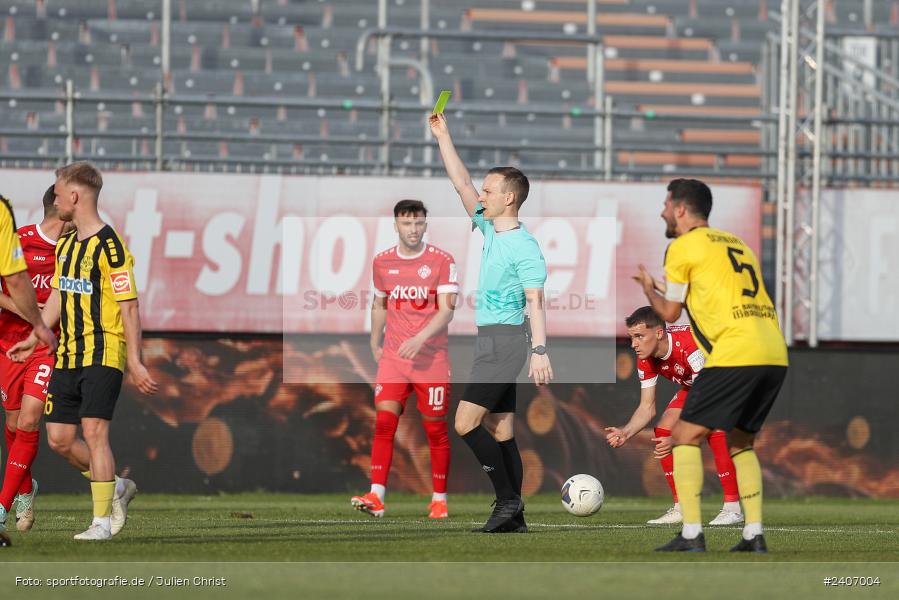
[(381, 522)]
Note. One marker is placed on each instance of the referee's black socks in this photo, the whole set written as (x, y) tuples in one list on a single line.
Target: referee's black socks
[(512, 458), (490, 455)]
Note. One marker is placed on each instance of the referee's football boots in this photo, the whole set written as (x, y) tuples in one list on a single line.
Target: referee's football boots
[(507, 516)]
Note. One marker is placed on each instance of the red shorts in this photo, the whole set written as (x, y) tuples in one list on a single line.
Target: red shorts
[(396, 379), (679, 398), (29, 378)]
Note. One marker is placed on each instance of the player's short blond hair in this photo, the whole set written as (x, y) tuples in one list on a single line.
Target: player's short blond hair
[(83, 173)]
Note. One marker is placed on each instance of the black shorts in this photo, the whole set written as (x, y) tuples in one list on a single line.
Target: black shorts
[(500, 352), (733, 397), (82, 392)]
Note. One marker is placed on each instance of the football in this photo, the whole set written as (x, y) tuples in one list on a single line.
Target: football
[(582, 495)]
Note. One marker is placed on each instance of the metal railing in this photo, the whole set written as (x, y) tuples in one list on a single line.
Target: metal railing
[(163, 135), (839, 125), (861, 148)]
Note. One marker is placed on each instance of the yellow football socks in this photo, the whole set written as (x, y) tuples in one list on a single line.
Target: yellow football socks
[(102, 492), (688, 481), (749, 480)]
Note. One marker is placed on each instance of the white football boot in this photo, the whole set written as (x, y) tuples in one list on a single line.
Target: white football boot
[(672, 517), (94, 533), (25, 509), (120, 502), (727, 517)]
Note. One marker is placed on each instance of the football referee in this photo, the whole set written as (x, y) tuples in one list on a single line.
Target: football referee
[(512, 276)]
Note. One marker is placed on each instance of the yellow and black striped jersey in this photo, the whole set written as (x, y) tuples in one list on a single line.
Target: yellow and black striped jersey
[(12, 259), (92, 275), (719, 278)]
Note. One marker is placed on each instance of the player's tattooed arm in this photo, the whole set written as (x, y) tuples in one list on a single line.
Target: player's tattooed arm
[(50, 316), (6, 303), (22, 292)]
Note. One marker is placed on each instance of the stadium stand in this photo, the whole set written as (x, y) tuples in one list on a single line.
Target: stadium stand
[(693, 58)]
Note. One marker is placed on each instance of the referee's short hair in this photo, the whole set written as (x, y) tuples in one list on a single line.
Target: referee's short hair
[(645, 315), (409, 207), (694, 193), (513, 181)]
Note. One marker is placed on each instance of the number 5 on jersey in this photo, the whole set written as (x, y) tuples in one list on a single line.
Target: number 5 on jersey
[(739, 267)]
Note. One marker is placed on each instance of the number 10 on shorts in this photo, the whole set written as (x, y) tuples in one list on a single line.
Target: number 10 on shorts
[(436, 396)]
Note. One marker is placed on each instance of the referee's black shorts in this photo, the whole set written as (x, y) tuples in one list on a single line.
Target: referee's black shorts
[(74, 394), (733, 397), (500, 352)]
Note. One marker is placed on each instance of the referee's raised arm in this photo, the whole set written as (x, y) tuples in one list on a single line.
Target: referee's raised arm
[(455, 168)]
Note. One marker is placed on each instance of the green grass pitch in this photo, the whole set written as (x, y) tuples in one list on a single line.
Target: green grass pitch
[(275, 543)]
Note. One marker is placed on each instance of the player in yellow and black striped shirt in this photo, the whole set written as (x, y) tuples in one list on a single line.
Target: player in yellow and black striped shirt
[(93, 275), (95, 302), (719, 279), (14, 271)]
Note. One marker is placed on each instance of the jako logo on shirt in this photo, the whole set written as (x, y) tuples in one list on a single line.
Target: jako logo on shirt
[(409, 292), (121, 282), (76, 286)]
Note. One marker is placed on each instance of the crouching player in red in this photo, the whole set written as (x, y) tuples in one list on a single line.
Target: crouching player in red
[(673, 354), (415, 292), (23, 386)]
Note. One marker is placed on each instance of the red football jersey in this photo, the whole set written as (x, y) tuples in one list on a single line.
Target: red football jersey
[(40, 256), (681, 365), (411, 285)]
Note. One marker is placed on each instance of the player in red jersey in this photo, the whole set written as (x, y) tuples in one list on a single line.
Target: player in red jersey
[(23, 386), (415, 287), (673, 354)]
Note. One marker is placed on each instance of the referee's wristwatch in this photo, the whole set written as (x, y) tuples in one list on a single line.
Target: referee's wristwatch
[(541, 350)]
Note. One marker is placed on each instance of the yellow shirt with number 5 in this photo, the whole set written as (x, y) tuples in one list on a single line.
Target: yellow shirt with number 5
[(719, 279)]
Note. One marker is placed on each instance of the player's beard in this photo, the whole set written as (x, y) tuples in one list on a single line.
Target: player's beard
[(413, 246), (670, 229)]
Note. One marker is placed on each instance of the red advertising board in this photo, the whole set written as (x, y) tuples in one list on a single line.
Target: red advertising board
[(263, 253)]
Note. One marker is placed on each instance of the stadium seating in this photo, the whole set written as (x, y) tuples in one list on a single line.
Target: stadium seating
[(687, 57)]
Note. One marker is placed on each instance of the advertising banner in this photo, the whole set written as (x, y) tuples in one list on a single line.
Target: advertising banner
[(236, 253)]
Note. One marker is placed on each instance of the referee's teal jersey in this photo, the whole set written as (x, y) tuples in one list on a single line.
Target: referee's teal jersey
[(511, 262)]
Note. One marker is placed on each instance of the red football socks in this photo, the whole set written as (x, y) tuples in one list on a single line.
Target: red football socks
[(18, 466), (382, 446), (438, 440), (667, 463), (727, 473)]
